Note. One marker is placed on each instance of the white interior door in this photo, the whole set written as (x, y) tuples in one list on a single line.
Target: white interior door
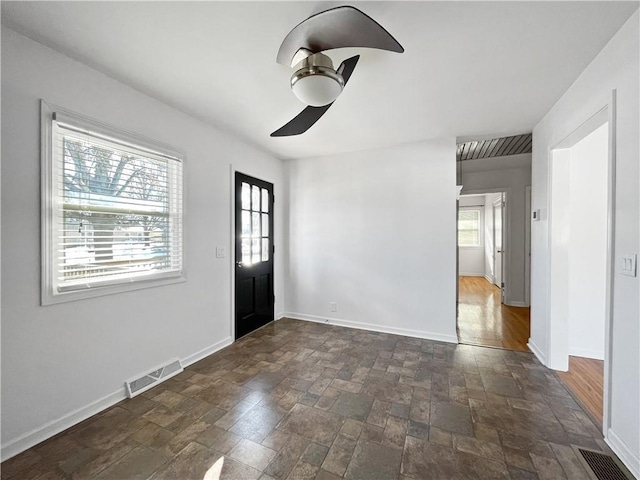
[(498, 242)]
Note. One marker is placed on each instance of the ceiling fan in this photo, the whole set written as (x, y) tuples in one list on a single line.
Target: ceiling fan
[(314, 81)]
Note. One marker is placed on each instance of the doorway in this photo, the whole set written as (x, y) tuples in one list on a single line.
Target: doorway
[(254, 291), (483, 318), (581, 229)]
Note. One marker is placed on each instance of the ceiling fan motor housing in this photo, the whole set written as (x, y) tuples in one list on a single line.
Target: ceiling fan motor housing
[(315, 82)]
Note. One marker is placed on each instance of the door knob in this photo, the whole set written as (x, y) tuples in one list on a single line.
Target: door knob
[(239, 264)]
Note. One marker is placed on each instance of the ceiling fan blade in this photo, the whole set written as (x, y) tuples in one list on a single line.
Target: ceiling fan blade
[(302, 122), (347, 67), (336, 28), (310, 115)]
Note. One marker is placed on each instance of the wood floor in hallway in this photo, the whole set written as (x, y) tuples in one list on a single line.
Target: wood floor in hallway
[(585, 379), (483, 320)]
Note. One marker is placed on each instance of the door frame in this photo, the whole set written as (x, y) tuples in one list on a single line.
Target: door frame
[(557, 328), (506, 259), (231, 257), (527, 245), (502, 203)]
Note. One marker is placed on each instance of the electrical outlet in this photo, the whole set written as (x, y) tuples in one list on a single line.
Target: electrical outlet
[(334, 306), (220, 253)]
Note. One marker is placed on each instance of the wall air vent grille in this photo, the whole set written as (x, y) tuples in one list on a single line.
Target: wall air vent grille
[(601, 466), (152, 378)]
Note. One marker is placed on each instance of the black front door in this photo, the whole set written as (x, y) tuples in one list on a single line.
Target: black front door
[(254, 254)]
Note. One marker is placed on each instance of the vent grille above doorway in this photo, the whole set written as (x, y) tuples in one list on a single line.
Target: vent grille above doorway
[(149, 380), (496, 147)]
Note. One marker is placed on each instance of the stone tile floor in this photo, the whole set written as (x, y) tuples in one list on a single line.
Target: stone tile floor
[(298, 400)]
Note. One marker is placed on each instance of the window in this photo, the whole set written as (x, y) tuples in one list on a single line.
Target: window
[(255, 224), (112, 209), (469, 228)]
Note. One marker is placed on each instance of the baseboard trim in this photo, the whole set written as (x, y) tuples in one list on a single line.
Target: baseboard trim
[(537, 352), (49, 429), (624, 453), (462, 274), (489, 279), (205, 352), (438, 337), (516, 304), (581, 352)]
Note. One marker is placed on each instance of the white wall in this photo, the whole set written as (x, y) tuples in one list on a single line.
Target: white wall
[(375, 232), (489, 249), (615, 67), (61, 363), (471, 259), (509, 174), (588, 244)]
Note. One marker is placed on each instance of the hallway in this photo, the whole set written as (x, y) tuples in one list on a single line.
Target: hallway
[(483, 320)]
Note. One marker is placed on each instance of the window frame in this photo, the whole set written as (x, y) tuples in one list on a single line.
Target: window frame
[(49, 293), (480, 210)]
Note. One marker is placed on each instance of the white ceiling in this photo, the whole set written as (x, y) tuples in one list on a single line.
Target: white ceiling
[(470, 69)]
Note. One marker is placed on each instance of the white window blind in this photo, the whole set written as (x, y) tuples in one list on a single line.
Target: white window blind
[(468, 227), (116, 209)]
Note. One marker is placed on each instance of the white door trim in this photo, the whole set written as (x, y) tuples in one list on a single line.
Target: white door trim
[(527, 246), (502, 204), (506, 259), (557, 331)]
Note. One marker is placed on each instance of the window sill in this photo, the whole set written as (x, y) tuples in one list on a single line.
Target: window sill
[(48, 298)]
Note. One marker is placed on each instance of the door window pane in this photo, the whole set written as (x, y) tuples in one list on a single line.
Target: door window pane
[(255, 198), (255, 224), (246, 251), (255, 250), (265, 200), (265, 249), (265, 224), (246, 197), (246, 224)]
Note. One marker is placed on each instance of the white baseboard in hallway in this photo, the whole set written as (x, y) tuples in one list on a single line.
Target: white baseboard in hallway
[(374, 328)]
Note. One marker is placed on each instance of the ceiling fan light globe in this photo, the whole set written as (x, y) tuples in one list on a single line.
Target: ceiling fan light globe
[(317, 86)]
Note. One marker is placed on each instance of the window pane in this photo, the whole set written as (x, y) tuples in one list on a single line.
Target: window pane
[(468, 238), (265, 224), (115, 212), (265, 200), (469, 228), (255, 250), (246, 251), (255, 198), (246, 196), (255, 224), (246, 224), (265, 249)]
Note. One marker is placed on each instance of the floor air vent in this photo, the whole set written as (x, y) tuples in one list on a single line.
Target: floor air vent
[(148, 380), (601, 466)]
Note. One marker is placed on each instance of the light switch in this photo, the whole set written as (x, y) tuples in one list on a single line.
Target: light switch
[(628, 265), (220, 252)]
